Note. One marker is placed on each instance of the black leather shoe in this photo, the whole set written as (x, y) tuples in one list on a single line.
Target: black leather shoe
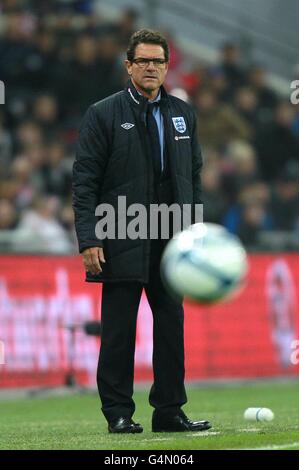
[(177, 423), (124, 425)]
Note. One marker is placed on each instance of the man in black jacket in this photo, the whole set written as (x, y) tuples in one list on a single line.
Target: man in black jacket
[(139, 143)]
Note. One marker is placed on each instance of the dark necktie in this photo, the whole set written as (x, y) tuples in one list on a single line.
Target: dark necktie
[(153, 133)]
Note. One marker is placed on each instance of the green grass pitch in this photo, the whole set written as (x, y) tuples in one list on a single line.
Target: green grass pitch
[(75, 422)]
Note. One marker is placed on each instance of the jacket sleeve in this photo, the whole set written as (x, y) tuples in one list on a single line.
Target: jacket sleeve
[(88, 173), (196, 167)]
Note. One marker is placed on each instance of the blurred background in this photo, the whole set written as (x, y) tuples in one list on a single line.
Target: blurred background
[(234, 63)]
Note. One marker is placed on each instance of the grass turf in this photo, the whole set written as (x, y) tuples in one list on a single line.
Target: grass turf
[(75, 422)]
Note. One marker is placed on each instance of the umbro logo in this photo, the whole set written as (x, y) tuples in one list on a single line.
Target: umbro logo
[(127, 125)]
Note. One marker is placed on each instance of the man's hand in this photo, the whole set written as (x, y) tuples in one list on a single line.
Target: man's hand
[(92, 259)]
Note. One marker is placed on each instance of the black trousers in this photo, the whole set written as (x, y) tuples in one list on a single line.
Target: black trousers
[(115, 374)]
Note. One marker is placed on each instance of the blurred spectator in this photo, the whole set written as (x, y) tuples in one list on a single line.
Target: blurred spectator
[(250, 209), (28, 135), (88, 78), (16, 50), (109, 52), (214, 199), (66, 217), (124, 27), (266, 98), (285, 199), (8, 215), (218, 83), (45, 59), (78, 81), (239, 168), (254, 218), (218, 124), (67, 220), (277, 143), (45, 113), (127, 25), (191, 78), (56, 174), (42, 222), (24, 177), (246, 104), (231, 67), (5, 145)]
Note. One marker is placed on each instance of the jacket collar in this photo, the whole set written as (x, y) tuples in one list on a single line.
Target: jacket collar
[(140, 101)]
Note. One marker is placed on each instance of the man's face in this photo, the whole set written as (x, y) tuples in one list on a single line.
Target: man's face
[(147, 77)]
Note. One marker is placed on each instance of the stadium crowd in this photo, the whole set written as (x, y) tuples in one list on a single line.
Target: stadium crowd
[(58, 57)]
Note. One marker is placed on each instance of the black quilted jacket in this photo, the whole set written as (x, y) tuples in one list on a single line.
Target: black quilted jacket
[(113, 158)]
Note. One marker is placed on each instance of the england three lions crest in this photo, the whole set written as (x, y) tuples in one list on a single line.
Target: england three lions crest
[(179, 124)]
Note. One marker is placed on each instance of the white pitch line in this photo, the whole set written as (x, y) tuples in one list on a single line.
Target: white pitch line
[(275, 447), (154, 439), (198, 434), (249, 430)]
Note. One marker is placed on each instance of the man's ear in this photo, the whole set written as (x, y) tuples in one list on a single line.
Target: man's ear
[(128, 67)]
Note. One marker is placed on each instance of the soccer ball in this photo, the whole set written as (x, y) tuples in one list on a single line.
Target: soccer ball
[(205, 263)]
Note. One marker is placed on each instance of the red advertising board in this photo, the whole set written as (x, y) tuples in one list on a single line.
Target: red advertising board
[(45, 303)]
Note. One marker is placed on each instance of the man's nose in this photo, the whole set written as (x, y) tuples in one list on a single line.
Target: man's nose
[(151, 65)]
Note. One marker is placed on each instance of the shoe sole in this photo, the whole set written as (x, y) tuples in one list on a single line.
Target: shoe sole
[(182, 430), (139, 431)]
